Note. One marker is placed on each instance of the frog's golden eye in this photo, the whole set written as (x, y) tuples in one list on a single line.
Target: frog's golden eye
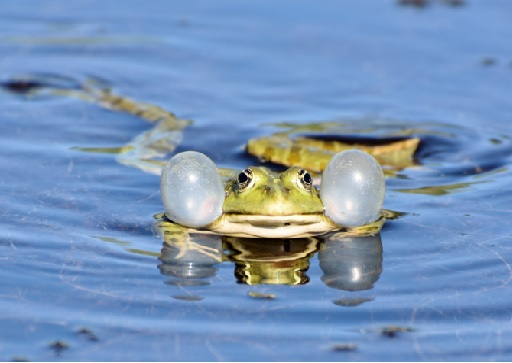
[(245, 179), (305, 179)]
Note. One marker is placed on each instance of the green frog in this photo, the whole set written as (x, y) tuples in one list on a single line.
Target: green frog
[(260, 203)]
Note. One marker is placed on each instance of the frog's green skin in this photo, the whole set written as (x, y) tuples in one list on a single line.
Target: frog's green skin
[(272, 205)]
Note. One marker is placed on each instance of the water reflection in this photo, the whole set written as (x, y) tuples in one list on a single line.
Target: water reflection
[(351, 263), (271, 261), (347, 263), (191, 262)]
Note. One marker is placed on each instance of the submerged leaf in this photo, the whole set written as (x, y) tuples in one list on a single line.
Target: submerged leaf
[(314, 154)]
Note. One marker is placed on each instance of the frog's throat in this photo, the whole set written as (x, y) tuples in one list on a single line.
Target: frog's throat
[(259, 226)]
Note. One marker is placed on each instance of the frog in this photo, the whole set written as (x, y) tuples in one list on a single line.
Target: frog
[(260, 203), (263, 204)]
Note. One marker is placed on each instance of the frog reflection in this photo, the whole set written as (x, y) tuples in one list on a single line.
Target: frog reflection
[(191, 262), (348, 263), (271, 261), (351, 263)]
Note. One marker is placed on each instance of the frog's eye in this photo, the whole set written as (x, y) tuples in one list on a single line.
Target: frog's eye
[(245, 179), (305, 180), (352, 188), (192, 189)]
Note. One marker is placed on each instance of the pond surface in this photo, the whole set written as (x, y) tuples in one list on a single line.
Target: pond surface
[(85, 276)]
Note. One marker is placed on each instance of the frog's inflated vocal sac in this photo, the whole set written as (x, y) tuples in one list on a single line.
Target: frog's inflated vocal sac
[(261, 203)]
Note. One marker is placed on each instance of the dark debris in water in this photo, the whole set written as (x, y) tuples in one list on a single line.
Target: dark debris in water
[(258, 295), (188, 297), (58, 346), (89, 334), (21, 86), (19, 359), (344, 347), (392, 331), (29, 84), (425, 3), (488, 61)]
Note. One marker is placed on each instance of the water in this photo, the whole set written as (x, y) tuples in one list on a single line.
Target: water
[(85, 276)]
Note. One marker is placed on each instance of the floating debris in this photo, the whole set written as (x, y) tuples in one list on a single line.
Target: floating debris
[(19, 359), (424, 3), (188, 297), (21, 86), (344, 347), (393, 330), (89, 334), (58, 346), (30, 84), (258, 295), (488, 61)]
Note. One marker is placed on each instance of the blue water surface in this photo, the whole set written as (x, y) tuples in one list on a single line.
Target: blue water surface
[(82, 270)]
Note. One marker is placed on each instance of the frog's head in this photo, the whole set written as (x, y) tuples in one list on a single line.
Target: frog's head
[(257, 191), (259, 203)]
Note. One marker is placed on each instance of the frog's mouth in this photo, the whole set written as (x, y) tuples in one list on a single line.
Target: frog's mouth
[(262, 226)]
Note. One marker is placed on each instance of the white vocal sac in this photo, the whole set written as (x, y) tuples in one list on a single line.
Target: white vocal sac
[(192, 189), (353, 188)]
